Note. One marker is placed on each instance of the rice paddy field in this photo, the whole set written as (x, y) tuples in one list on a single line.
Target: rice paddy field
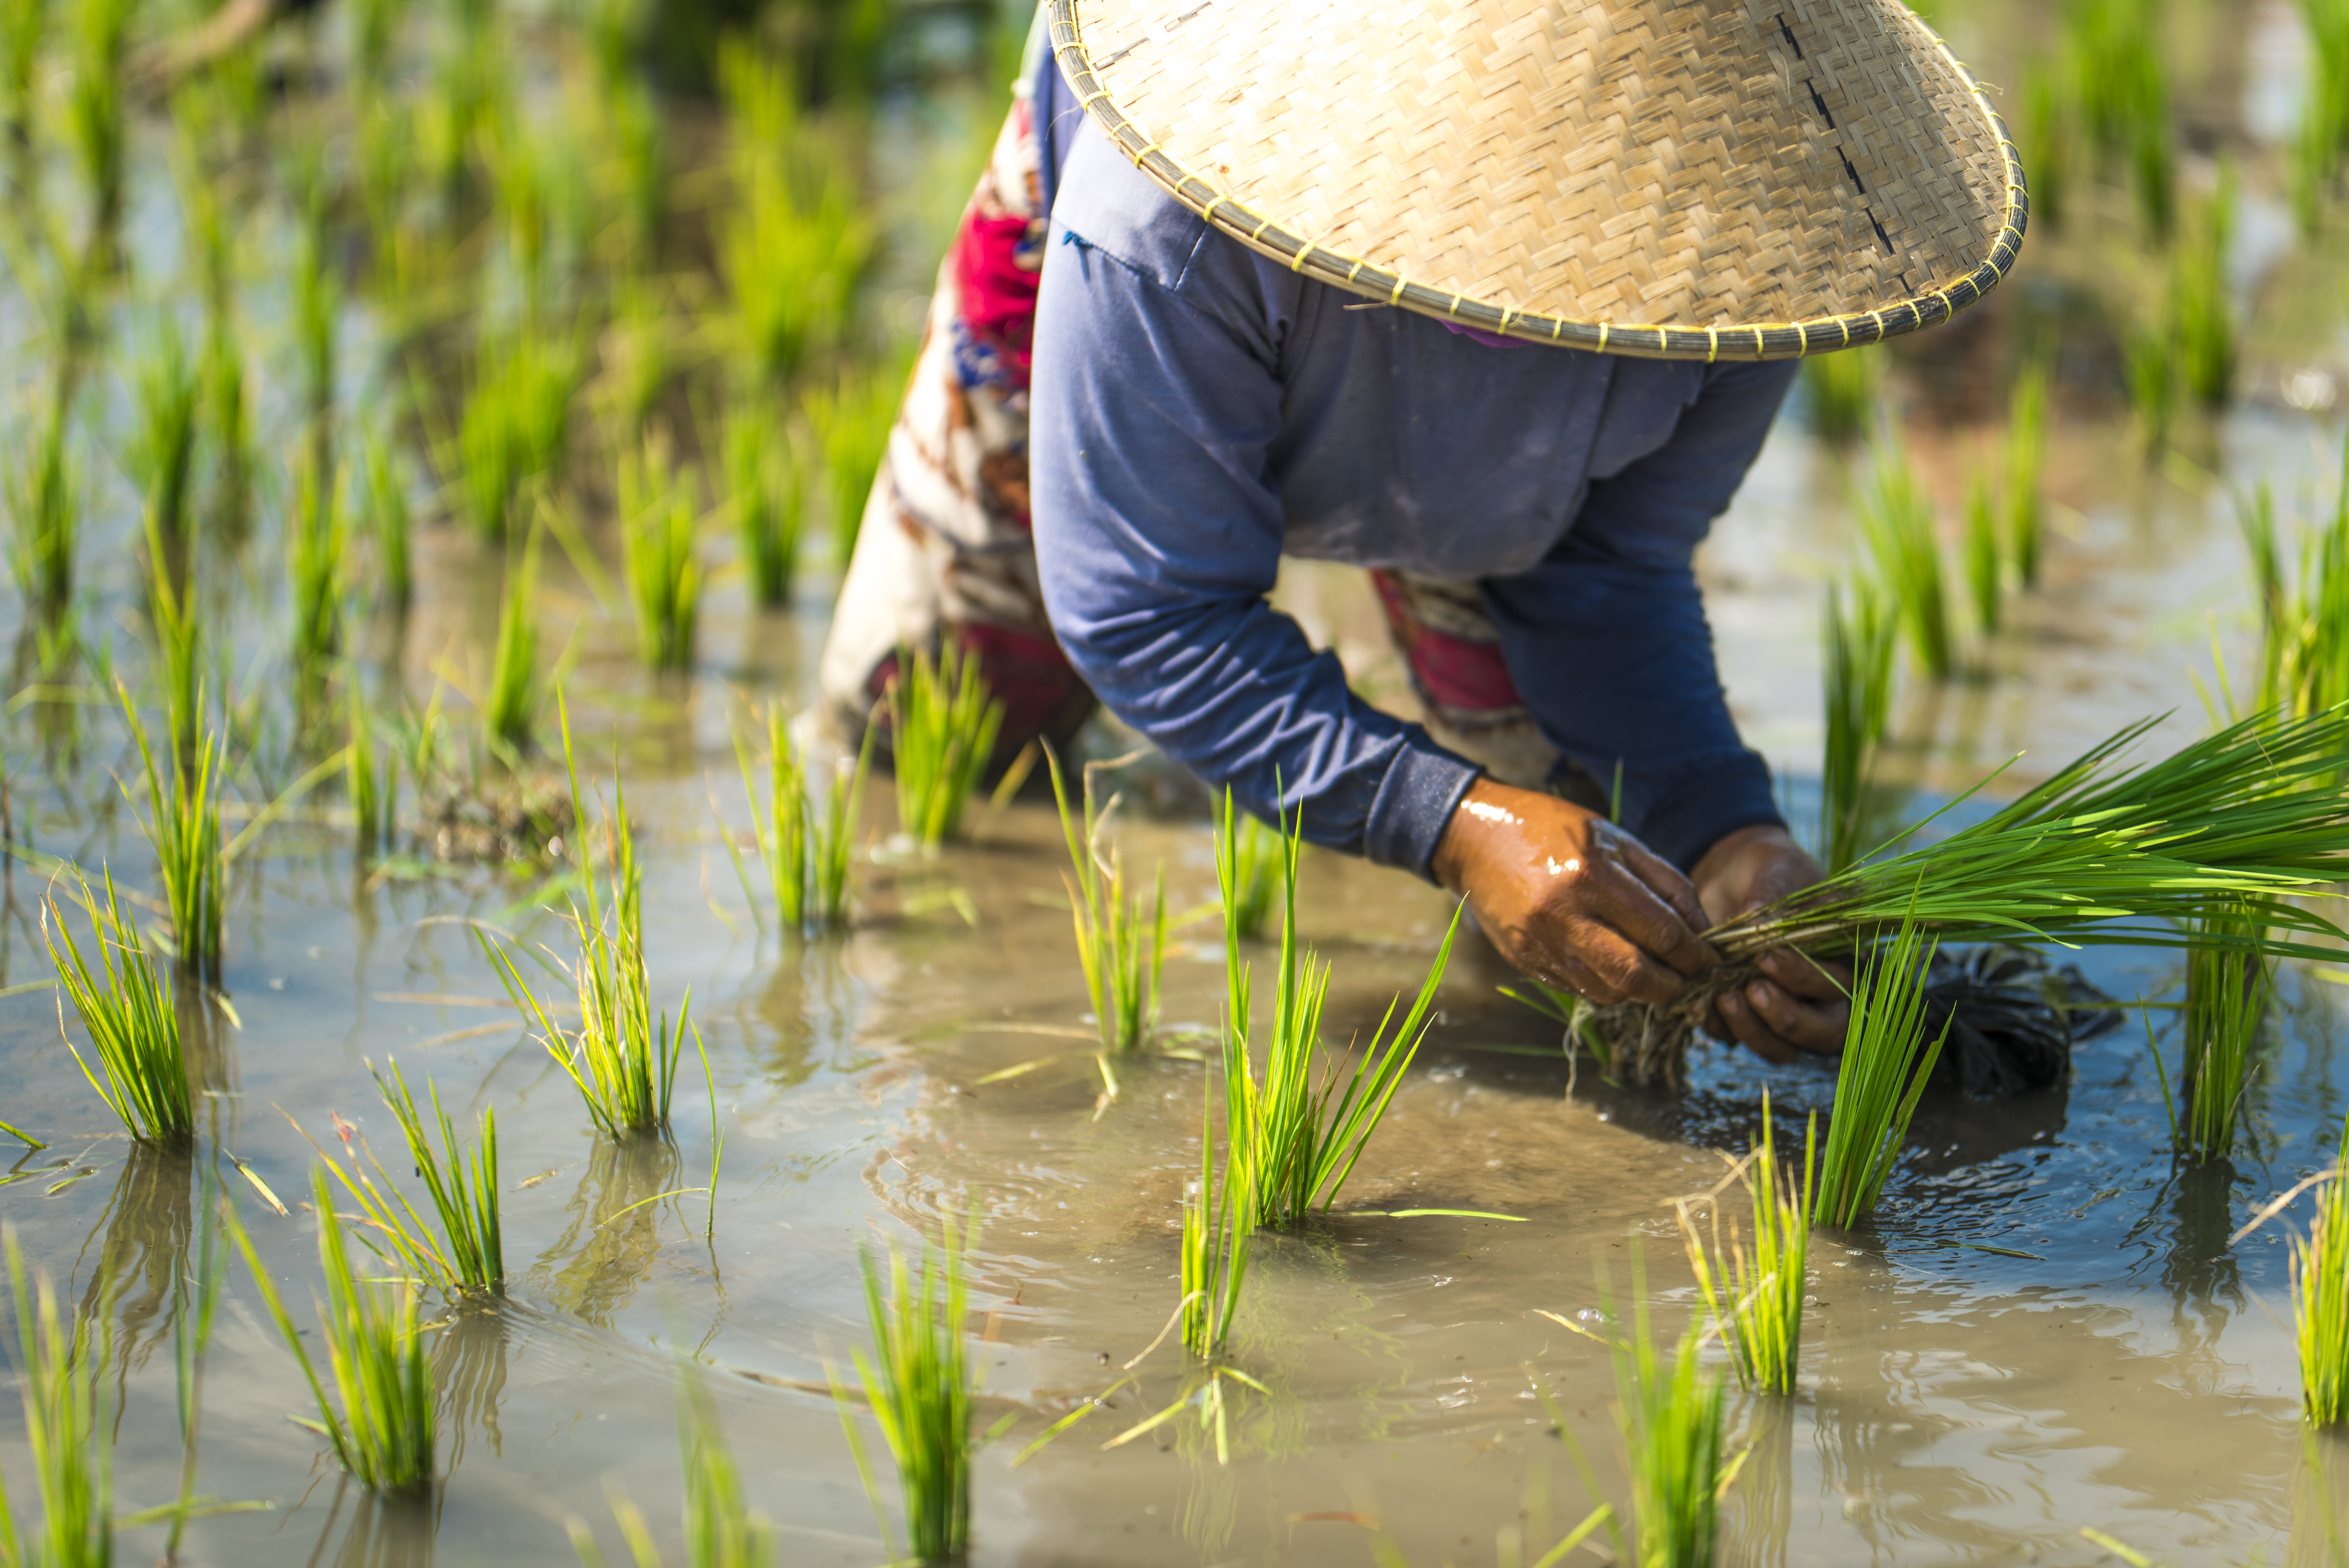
[(527, 1094)]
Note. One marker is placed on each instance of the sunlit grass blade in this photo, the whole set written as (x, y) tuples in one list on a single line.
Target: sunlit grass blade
[(126, 1010), (1886, 1058), (1858, 650), (806, 842), (380, 1418), (917, 1387), (464, 1188), (1219, 1217), (943, 727), (1753, 1287), (658, 536), (183, 824), (1122, 950), (1895, 524), (67, 1426), (1256, 858)]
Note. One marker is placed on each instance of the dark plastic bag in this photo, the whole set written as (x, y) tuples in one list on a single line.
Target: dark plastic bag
[(2016, 1018)]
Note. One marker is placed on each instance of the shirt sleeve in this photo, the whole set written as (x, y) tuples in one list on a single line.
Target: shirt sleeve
[(1157, 538), (1606, 638)]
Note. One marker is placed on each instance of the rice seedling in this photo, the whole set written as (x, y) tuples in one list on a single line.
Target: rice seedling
[(1895, 522), (853, 421), (516, 422), (317, 305), (2202, 311), (2124, 96), (2048, 136), (99, 33), (22, 24), (1122, 953), (622, 1060), (1878, 1078), (2228, 992), (2026, 458), (161, 453), (226, 410), (2323, 131), (44, 514), (2304, 618), (1858, 704), (1844, 390), (806, 844), (316, 569), (657, 530), (636, 365), (388, 522), (383, 1433), (184, 826), (768, 499), (510, 703), (1295, 1141), (635, 178), (943, 722), (2320, 1297), (1985, 561), (2149, 364), (917, 1385), (1256, 851), (1754, 1288), (67, 1428), (370, 777), (126, 1012), (467, 1253), (721, 1530), (1671, 1420), (179, 651), (375, 24), (1219, 1223)]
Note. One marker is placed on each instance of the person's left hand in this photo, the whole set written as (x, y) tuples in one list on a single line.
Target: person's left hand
[(1796, 1003)]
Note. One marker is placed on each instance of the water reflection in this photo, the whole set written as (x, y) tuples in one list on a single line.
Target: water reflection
[(380, 1532), (1765, 1487), (2200, 1269), (469, 1374), (612, 1232), (2319, 1483), (142, 1238)]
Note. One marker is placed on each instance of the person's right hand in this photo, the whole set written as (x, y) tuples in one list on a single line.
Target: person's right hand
[(1571, 899)]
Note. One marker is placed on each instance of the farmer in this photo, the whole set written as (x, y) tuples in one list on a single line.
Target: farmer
[(1494, 298)]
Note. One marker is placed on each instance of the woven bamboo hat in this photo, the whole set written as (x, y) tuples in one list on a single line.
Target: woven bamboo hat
[(1675, 179)]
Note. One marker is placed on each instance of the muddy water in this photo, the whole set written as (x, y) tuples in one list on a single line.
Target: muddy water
[(2132, 1372)]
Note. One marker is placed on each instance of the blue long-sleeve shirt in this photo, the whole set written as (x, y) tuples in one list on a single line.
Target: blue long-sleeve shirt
[(1200, 411)]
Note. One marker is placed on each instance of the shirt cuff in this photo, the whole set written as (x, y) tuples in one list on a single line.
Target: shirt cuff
[(1706, 797), (1415, 804)]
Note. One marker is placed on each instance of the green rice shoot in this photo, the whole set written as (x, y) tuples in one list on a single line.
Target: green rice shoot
[(1984, 558), (2319, 1298), (370, 778), (1753, 1287), (1120, 950), (511, 701), (917, 1386), (2229, 990), (166, 394), (1858, 693), (1219, 1225), (389, 524), (2201, 309), (1670, 1421), (2023, 488), (1887, 1060), (317, 566), (767, 499), (380, 1418), (657, 534), (943, 726), (183, 824), (1896, 525), (126, 1010), (807, 842), (852, 420), (1256, 857), (720, 1529), (66, 1427), (1845, 388), (44, 497)]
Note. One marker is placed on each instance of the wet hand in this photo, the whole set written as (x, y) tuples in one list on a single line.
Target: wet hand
[(1796, 1003), (1571, 899)]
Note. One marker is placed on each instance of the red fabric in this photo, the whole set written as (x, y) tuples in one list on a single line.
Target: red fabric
[(1453, 671), (998, 295)]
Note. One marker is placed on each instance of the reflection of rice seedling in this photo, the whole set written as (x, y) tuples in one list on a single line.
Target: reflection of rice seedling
[(769, 504), (162, 445), (2026, 456), (383, 1433), (1895, 521), (44, 515), (623, 1061), (1858, 702), (387, 522), (943, 724), (1754, 1289), (917, 1387), (371, 778), (2319, 1298), (1885, 1063), (1844, 389), (319, 527), (510, 706), (66, 1428), (99, 31), (2227, 995), (1296, 1141), (515, 423), (2201, 312), (721, 1531), (468, 1253), (184, 826), (1121, 953), (806, 845), (1256, 851), (658, 526), (1985, 568), (126, 1012), (853, 422)]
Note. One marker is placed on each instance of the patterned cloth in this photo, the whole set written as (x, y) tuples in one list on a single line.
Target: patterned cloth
[(945, 548)]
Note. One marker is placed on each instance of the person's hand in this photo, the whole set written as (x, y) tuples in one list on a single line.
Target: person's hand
[(1796, 1003), (1570, 898)]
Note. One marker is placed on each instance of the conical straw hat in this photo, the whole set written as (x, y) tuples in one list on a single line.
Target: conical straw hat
[(1715, 180)]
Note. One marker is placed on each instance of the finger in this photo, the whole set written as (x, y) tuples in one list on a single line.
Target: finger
[(1816, 1028), (1618, 967), (1664, 880), (1748, 1027), (1805, 977), (1626, 902)]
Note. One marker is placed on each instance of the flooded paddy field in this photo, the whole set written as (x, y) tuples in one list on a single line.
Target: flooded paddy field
[(2052, 1323)]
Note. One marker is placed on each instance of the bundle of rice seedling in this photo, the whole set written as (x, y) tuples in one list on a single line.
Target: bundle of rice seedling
[(127, 1011), (2101, 853), (99, 32), (509, 706), (917, 1387), (1121, 951), (468, 1254), (1896, 525), (22, 23), (184, 826), (2201, 307), (1986, 562), (721, 1530), (316, 550), (161, 454), (769, 500), (2323, 132), (2026, 459), (68, 1426), (1858, 703), (2320, 1296), (2228, 992), (657, 528), (389, 523), (1844, 389), (44, 513), (1879, 1078), (853, 421), (943, 722), (1754, 1288), (806, 842)]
